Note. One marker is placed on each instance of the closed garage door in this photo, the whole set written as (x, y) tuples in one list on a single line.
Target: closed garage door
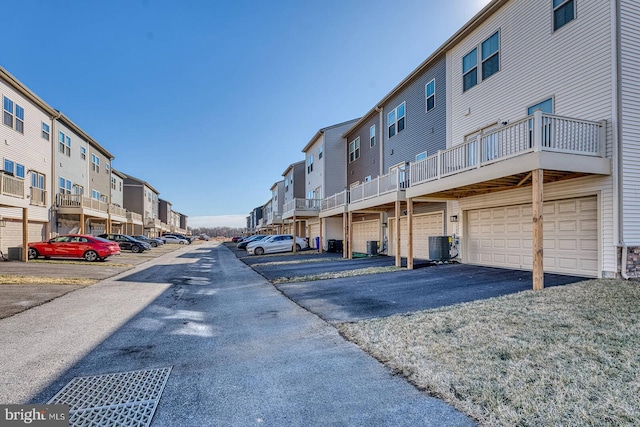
[(503, 236), (364, 231), (423, 226), (314, 231)]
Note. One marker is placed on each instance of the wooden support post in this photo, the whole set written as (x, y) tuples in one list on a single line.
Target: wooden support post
[(409, 234), (25, 234), (320, 244), (295, 233), (538, 253), (348, 247), (397, 235), (345, 227), (82, 230), (109, 225)]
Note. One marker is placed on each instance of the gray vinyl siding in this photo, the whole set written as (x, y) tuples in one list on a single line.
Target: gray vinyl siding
[(369, 161), (630, 119), (424, 131), (133, 196), (335, 160), (299, 171)]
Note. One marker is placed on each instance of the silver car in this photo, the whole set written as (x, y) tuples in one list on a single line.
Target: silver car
[(276, 243)]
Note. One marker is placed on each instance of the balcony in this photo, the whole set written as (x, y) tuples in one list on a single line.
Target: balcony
[(542, 141), (134, 218), (336, 204), (77, 204), (274, 218), (384, 189), (118, 213), (152, 223), (303, 208), (38, 197), (11, 186)]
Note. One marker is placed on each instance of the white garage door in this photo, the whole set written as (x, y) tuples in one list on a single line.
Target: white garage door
[(364, 231), (424, 225), (503, 236), (314, 231)]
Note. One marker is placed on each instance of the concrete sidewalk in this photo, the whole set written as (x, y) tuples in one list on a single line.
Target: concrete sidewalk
[(241, 352)]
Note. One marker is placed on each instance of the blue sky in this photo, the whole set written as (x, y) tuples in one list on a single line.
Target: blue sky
[(210, 101)]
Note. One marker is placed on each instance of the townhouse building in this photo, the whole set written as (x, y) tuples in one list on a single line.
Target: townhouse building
[(275, 222), (142, 199), (294, 203), (117, 212), (83, 177), (27, 167)]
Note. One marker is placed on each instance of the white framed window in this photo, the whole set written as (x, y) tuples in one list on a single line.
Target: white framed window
[(19, 170), (354, 150), (107, 167), (67, 146), (64, 144), (95, 194), (421, 156), (372, 136), (16, 169), (395, 120), (310, 164), (19, 119), (489, 51), (113, 183), (8, 166), (564, 11), (430, 95), (320, 152), (78, 190), (367, 178), (7, 116), (83, 153), (46, 131), (64, 186), (95, 163), (61, 142), (37, 180)]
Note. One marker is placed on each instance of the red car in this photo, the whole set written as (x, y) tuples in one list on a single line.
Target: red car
[(90, 248)]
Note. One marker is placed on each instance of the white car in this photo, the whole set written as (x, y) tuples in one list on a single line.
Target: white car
[(174, 239), (276, 243)]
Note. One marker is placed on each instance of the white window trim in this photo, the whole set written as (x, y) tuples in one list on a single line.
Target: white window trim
[(479, 61), (372, 136), (553, 13), (421, 156), (397, 119), (356, 149), (426, 97)]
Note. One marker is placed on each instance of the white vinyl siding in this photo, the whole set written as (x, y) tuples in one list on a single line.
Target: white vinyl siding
[(364, 231), (424, 225), (576, 63), (630, 125)]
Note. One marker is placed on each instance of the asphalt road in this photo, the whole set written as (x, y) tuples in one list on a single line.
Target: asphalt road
[(241, 352)]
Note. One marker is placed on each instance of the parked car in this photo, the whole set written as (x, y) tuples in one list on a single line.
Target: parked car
[(127, 243), (276, 243), (169, 238), (181, 236), (236, 239), (244, 242), (153, 241), (90, 248)]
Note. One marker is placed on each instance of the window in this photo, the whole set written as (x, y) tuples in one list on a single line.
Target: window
[(65, 186), (8, 166), (19, 119), (107, 167), (8, 112), (19, 170), (491, 56), (421, 156), (546, 106), (78, 190), (309, 194), (430, 95), (395, 120), (83, 153), (95, 195), (37, 180), (564, 11), (113, 183), (95, 163), (354, 149), (46, 131), (64, 144), (367, 178), (310, 164), (319, 152), (470, 70), (372, 136)]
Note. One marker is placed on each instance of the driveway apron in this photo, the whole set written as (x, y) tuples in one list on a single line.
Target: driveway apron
[(241, 353)]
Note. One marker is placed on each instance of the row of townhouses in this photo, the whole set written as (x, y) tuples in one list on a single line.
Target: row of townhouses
[(519, 138), (56, 179)]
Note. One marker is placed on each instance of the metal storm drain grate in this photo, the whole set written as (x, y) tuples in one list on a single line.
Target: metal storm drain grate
[(121, 399)]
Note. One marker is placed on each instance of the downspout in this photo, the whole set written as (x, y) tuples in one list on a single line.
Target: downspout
[(383, 216), (54, 210), (617, 138)]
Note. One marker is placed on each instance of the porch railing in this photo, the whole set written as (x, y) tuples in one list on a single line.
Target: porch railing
[(302, 205), (11, 186), (79, 201), (117, 210), (134, 216), (388, 183), (539, 132), (152, 222), (38, 197), (335, 201)]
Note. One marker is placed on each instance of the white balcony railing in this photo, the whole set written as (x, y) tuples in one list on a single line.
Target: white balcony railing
[(274, 217), (38, 197), (134, 217), (79, 201), (11, 186), (117, 211), (539, 132), (152, 222), (303, 205), (388, 183), (336, 201)]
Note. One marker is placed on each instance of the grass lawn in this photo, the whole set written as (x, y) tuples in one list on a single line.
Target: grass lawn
[(563, 356)]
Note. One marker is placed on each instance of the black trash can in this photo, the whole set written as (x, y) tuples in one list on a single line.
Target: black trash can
[(331, 245)]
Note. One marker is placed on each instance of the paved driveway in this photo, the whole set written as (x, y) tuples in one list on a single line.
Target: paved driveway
[(385, 294)]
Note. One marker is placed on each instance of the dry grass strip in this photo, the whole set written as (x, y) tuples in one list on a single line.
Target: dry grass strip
[(564, 356), (34, 280), (67, 262), (298, 261), (336, 274)]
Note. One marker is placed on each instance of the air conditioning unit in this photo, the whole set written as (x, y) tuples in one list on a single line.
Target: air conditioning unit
[(440, 248)]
